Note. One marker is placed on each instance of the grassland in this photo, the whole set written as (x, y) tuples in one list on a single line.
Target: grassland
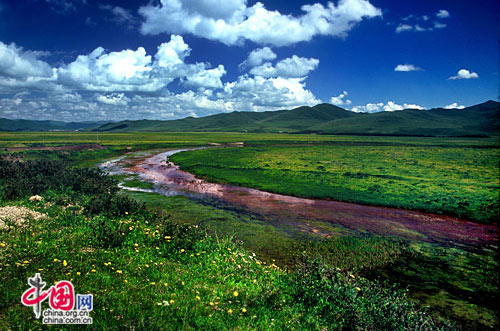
[(147, 271), (457, 181), (459, 284)]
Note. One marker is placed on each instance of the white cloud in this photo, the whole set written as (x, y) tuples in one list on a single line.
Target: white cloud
[(421, 23), (465, 74), (339, 99), (210, 78), (19, 64), (403, 27), (131, 84), (454, 106), (135, 71), (257, 57), (232, 22), (407, 67), (294, 67), (259, 93), (443, 14), (172, 53), (113, 99), (389, 106)]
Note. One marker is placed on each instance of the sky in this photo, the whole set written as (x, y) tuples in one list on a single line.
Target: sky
[(84, 60)]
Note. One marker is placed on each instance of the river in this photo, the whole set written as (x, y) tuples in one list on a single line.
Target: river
[(303, 214)]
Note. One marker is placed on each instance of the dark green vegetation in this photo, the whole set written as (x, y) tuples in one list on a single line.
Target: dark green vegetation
[(147, 271), (31, 125), (480, 120), (458, 181)]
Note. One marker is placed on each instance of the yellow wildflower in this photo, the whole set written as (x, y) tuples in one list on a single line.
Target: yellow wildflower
[(229, 311), (197, 297), (235, 293), (211, 304), (65, 263), (119, 271), (357, 288), (78, 273), (182, 250), (243, 310)]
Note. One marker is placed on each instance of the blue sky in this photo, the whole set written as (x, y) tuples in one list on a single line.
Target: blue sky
[(77, 60)]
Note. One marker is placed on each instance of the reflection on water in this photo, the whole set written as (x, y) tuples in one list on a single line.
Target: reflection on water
[(169, 180)]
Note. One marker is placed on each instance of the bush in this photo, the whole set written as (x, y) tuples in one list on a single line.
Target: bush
[(345, 301), (22, 179)]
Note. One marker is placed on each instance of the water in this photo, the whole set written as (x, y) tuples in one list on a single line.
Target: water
[(299, 213)]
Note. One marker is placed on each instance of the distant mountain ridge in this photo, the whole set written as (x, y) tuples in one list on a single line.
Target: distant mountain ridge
[(478, 120), (32, 125)]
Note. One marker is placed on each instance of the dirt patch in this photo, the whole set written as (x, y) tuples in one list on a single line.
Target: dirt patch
[(89, 147), (17, 216)]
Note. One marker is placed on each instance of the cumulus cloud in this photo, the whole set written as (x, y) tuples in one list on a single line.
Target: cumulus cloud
[(113, 99), (232, 21), (339, 99), (135, 71), (260, 93), (210, 78), (454, 106), (131, 84), (438, 25), (389, 106), (465, 74), (292, 67), (407, 67), (443, 13), (257, 57), (20, 64)]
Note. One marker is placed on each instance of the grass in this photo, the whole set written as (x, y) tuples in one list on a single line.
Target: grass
[(447, 280), (148, 271), (457, 181), (457, 283)]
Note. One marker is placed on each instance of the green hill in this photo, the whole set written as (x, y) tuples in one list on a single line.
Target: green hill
[(30, 125), (478, 120)]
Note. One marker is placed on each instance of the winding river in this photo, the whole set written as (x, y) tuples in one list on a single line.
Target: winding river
[(303, 214)]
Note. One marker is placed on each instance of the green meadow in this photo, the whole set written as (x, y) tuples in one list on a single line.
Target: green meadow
[(450, 180), (153, 261)]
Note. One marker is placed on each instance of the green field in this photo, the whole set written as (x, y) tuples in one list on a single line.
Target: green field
[(454, 283), (457, 181)]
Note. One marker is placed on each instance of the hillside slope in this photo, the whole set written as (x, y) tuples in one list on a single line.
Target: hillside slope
[(478, 120)]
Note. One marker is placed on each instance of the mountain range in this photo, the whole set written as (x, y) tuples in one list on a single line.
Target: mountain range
[(478, 120), (31, 125)]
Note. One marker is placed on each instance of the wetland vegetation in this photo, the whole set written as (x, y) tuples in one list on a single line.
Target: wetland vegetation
[(191, 263)]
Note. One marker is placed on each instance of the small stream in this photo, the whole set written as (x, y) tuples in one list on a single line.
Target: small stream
[(304, 215)]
